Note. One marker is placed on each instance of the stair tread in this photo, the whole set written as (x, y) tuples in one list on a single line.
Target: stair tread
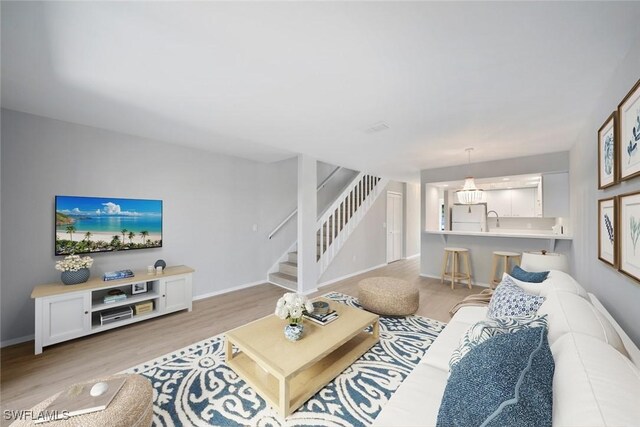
[(285, 276), (289, 263)]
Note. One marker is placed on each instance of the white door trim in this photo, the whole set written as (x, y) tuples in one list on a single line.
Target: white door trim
[(394, 231)]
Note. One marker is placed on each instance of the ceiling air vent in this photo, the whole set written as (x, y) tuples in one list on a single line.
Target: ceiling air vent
[(377, 127)]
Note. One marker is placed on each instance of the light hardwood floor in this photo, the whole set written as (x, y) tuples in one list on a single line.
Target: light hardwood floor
[(26, 379)]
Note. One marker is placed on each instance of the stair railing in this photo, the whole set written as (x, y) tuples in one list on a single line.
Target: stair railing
[(342, 217)]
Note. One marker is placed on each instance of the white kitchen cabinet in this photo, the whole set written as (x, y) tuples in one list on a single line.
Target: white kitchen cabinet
[(499, 201), (523, 202), (555, 195), (516, 202)]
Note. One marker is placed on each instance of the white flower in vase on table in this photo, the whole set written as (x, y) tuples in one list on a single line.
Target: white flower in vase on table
[(292, 306)]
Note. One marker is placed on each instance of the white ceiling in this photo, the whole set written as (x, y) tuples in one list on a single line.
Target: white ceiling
[(269, 80)]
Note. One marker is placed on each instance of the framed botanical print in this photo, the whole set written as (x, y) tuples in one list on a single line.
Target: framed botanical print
[(607, 228), (629, 234), (607, 150), (629, 133)]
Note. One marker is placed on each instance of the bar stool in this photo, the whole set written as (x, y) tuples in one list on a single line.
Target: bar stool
[(506, 256), (457, 255)]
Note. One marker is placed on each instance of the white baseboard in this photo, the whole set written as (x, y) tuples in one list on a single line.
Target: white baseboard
[(226, 291), (282, 286), (329, 282), (475, 283), (413, 256), (7, 343)]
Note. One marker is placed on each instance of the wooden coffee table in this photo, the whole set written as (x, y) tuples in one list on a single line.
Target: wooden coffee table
[(286, 374)]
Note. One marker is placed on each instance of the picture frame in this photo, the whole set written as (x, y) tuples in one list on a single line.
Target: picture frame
[(607, 231), (138, 288), (629, 234), (607, 152), (629, 134)]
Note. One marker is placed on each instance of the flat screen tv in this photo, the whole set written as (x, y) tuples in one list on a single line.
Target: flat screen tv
[(106, 224)]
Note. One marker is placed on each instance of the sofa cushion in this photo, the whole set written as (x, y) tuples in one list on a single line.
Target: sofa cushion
[(528, 276), (561, 281), (486, 329), (506, 380), (440, 351), (470, 314), (417, 400), (439, 354), (557, 281), (509, 300), (593, 385), (570, 313)]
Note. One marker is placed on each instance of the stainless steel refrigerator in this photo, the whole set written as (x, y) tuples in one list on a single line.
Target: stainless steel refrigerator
[(469, 217)]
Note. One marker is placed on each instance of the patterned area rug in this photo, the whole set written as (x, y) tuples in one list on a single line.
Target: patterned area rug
[(194, 386)]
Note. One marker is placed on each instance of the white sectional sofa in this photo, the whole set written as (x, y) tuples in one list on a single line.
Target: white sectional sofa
[(597, 367)]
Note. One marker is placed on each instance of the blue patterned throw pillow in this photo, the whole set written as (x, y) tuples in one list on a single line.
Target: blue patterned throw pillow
[(510, 300), (486, 329), (505, 381), (528, 276)]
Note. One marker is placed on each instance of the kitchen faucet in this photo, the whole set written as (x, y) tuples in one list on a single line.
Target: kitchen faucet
[(497, 219)]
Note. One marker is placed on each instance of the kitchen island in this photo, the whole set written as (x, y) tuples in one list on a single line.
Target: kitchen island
[(481, 246)]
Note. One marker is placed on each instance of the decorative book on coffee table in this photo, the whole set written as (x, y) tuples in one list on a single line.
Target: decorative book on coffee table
[(322, 319)]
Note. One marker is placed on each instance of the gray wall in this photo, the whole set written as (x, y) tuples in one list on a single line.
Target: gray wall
[(618, 293), (332, 189), (211, 203)]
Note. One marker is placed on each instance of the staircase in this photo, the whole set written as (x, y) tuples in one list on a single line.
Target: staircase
[(333, 228), (287, 274)]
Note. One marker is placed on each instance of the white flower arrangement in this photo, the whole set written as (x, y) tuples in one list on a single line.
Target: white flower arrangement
[(292, 306), (74, 263)]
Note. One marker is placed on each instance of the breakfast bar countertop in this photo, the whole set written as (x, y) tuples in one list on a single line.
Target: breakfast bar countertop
[(526, 234)]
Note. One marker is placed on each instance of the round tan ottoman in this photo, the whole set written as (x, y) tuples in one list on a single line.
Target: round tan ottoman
[(132, 406), (388, 296)]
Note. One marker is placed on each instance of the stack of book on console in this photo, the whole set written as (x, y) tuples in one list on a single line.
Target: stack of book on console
[(116, 275), (322, 319), (114, 298)]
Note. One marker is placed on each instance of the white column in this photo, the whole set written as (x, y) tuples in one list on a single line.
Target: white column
[(307, 218)]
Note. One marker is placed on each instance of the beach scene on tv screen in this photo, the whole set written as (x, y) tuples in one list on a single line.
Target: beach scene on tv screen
[(98, 224)]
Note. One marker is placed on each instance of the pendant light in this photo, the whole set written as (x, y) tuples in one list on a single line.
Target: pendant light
[(470, 194)]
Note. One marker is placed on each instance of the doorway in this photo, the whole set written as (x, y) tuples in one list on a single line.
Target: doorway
[(395, 227)]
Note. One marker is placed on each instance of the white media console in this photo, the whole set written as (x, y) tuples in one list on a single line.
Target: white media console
[(65, 312)]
